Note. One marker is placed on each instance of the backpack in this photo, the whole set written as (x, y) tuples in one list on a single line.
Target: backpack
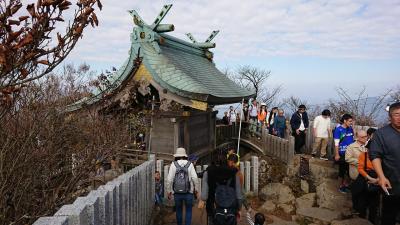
[(226, 204), (181, 184)]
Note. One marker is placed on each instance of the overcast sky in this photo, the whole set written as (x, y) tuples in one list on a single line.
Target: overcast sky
[(311, 47)]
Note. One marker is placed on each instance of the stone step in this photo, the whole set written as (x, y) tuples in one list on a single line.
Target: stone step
[(329, 197), (321, 170), (318, 215)]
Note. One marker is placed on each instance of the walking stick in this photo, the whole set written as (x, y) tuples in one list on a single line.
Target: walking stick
[(240, 127)]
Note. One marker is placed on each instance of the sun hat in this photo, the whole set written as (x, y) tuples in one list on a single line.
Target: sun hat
[(180, 152)]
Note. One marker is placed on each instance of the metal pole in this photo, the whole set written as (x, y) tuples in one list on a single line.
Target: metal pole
[(151, 126), (240, 126)]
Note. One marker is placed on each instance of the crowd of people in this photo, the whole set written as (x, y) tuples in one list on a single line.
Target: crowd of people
[(368, 163), (256, 117)]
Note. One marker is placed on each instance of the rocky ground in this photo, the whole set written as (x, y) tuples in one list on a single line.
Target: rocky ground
[(309, 199)]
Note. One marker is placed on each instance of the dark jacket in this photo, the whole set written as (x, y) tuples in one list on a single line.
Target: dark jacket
[(386, 145), (216, 174), (295, 121)]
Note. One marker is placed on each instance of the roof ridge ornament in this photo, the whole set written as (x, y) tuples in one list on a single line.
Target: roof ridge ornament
[(207, 43), (156, 26)]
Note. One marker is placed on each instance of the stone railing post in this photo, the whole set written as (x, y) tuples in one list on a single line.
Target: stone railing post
[(247, 174), (254, 174), (290, 150)]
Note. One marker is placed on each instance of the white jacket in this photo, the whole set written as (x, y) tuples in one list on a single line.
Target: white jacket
[(194, 181)]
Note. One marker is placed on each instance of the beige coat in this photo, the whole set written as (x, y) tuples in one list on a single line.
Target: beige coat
[(353, 151)]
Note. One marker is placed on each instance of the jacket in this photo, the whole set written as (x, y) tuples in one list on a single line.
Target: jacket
[(194, 181), (295, 121), (352, 154)]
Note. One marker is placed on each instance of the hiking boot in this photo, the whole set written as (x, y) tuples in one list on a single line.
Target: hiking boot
[(323, 158), (313, 155)]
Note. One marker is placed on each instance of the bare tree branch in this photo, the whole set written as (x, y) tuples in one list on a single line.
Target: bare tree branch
[(29, 46)]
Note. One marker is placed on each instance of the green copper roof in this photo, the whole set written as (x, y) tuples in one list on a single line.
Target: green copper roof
[(183, 68), (190, 74)]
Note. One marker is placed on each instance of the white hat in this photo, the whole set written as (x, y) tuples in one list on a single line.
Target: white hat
[(180, 152), (263, 104)]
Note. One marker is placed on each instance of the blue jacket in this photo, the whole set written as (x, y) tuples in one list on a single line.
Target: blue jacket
[(295, 121)]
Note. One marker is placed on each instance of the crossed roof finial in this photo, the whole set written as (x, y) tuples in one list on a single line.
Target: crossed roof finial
[(156, 25), (207, 43)]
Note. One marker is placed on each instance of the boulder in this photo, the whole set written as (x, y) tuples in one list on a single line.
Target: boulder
[(307, 200), (318, 215), (329, 197), (287, 208), (277, 193), (304, 186), (268, 206), (354, 221), (279, 221)]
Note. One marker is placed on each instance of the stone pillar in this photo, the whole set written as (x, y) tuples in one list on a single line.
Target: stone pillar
[(247, 176), (104, 205), (136, 193), (254, 174), (166, 188), (58, 220), (242, 171), (74, 213), (109, 202)]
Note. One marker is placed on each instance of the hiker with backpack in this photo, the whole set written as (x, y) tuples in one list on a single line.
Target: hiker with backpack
[(182, 180), (221, 190)]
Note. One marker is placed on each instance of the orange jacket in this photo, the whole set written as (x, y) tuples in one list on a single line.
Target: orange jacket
[(262, 116), (361, 162)]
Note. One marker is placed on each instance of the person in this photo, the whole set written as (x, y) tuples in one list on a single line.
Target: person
[(99, 169), (353, 153), (261, 116), (343, 136), (299, 123), (369, 198), (271, 120), (245, 111), (279, 126), (232, 151), (182, 179), (245, 116), (232, 115), (238, 118), (322, 132), (233, 162), (216, 174), (114, 171), (225, 119), (253, 114), (158, 188), (370, 134), (352, 156), (259, 219), (385, 156)]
